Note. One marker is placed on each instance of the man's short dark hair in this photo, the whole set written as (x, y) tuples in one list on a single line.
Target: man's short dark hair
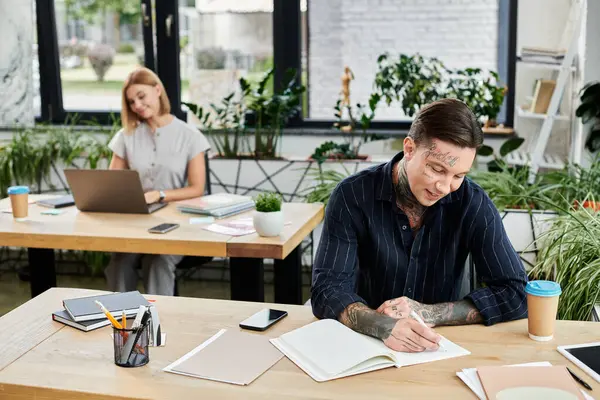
[(449, 120)]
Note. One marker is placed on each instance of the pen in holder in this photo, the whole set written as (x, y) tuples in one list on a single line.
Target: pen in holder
[(131, 346)]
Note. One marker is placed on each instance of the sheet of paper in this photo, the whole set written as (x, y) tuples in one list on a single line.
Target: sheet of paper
[(229, 356), (51, 211), (471, 379), (202, 220), (234, 227)]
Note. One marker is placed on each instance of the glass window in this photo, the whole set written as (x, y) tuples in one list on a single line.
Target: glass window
[(98, 47), (354, 33), (227, 40)]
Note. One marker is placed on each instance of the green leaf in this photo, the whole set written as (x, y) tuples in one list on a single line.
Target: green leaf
[(485, 151), (510, 145)]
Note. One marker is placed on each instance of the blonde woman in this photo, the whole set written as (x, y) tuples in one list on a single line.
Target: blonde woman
[(169, 156)]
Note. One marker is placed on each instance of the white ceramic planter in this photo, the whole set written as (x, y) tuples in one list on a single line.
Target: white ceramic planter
[(268, 223)]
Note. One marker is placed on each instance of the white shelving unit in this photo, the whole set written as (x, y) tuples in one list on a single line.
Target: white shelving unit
[(564, 73), (527, 114)]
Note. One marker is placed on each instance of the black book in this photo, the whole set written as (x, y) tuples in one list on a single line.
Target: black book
[(63, 317), (57, 202), (86, 309)]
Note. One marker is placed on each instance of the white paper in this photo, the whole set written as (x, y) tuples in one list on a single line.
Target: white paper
[(327, 349)]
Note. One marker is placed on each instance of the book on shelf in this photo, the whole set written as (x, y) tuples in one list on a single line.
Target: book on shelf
[(85, 309), (542, 96), (327, 349), (63, 317)]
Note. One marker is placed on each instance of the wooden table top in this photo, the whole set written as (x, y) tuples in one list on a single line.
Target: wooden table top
[(75, 230), (45, 359)]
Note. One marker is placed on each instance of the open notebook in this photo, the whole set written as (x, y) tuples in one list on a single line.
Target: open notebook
[(327, 350)]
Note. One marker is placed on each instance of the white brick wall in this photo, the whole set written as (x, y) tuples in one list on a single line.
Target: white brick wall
[(355, 32)]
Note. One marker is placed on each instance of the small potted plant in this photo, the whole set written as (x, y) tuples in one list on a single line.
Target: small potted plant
[(268, 219)]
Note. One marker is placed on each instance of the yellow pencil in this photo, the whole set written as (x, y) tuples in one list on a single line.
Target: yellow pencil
[(115, 323), (124, 320)]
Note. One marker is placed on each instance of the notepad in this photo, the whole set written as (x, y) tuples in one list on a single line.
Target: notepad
[(327, 349), (532, 382), (470, 377), (85, 308), (229, 356)]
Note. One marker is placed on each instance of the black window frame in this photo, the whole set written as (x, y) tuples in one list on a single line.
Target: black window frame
[(287, 53), (287, 47), (167, 50)]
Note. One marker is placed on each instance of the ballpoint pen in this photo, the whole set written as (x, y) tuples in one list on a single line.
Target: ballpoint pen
[(419, 320), (578, 379)]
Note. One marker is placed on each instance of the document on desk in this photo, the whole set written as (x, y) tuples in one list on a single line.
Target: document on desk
[(470, 377), (229, 356), (327, 350)]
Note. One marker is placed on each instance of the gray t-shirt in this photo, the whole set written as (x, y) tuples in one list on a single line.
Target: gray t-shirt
[(161, 158)]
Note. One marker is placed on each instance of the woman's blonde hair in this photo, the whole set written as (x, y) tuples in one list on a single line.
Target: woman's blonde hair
[(141, 76)]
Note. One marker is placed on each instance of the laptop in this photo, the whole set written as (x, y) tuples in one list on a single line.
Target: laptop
[(109, 190)]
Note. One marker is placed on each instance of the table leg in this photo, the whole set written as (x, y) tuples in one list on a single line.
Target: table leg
[(247, 279), (41, 269), (288, 278)]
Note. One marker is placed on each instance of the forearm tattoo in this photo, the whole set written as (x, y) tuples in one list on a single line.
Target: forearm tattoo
[(362, 319), (461, 312)]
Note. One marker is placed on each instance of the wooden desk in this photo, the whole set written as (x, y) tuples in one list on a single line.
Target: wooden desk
[(75, 230), (44, 359)]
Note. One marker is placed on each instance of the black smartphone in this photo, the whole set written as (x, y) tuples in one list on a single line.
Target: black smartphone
[(163, 228), (263, 319)]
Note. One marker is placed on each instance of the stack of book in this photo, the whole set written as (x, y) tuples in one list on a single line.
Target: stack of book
[(84, 314), (542, 55), (219, 205)]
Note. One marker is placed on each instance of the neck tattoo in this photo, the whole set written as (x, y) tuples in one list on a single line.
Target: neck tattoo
[(406, 200)]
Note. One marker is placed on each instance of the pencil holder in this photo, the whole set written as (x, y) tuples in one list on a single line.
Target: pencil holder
[(131, 346)]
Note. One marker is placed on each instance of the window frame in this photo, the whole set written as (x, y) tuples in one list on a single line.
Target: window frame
[(287, 53), (163, 63)]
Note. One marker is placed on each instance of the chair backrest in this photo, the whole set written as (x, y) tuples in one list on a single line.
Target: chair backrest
[(207, 188)]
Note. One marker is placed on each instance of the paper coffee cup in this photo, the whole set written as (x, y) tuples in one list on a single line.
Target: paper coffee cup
[(542, 306), (19, 201)]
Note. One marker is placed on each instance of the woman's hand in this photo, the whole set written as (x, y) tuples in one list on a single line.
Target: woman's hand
[(152, 197)]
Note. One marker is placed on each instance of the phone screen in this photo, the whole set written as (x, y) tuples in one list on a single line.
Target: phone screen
[(263, 319), (163, 227)]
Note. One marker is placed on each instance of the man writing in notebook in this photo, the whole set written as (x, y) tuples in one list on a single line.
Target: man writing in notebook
[(396, 238)]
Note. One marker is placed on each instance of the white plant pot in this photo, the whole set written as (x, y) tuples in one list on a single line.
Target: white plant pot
[(268, 223)]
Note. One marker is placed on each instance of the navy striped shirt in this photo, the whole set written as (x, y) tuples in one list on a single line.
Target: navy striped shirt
[(368, 253)]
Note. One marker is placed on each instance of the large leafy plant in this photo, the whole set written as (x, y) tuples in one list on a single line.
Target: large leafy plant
[(415, 81), (570, 255), (271, 111), (324, 183), (589, 111)]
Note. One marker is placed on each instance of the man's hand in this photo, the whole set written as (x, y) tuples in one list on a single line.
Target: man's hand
[(410, 336), (396, 308), (152, 197), (461, 312), (400, 335)]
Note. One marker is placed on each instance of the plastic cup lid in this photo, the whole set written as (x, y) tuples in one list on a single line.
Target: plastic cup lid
[(18, 190), (543, 288)]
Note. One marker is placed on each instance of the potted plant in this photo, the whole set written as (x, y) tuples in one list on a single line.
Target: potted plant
[(589, 112), (416, 80), (570, 255), (269, 110), (268, 218)]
